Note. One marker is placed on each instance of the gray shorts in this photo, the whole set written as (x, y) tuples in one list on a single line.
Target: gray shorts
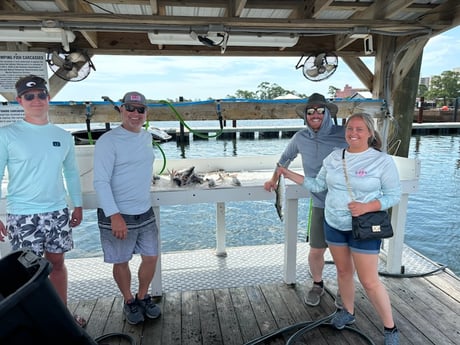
[(48, 231), (142, 237), (317, 238)]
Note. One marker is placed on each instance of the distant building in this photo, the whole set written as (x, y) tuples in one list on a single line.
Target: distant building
[(349, 91), (361, 95), (427, 80)]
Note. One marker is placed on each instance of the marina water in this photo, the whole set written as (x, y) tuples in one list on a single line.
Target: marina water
[(432, 225)]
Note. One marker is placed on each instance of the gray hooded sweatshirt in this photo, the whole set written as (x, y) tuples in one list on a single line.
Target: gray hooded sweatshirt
[(313, 148)]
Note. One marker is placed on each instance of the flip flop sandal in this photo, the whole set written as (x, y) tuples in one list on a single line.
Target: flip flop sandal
[(79, 320)]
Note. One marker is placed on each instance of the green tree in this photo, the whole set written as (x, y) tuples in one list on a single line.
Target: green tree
[(243, 94), (332, 91), (422, 90), (445, 87), (265, 91)]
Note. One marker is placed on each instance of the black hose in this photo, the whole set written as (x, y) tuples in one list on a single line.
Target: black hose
[(115, 335), (413, 275), (304, 327)]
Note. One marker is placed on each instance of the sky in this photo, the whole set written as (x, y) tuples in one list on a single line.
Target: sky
[(201, 78)]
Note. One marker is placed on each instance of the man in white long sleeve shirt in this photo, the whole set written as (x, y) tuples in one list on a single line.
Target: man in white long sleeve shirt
[(123, 169)]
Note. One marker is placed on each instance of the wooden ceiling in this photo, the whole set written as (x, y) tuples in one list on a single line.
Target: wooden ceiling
[(121, 27)]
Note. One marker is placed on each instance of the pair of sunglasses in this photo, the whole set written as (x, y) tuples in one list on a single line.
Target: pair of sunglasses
[(130, 108), (31, 96), (311, 111)]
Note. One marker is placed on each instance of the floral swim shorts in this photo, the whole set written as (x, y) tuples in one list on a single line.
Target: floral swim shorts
[(49, 231)]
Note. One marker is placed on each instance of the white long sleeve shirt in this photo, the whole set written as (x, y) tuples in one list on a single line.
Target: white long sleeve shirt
[(123, 170)]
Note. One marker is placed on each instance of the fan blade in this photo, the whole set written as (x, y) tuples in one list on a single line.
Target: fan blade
[(312, 72), (72, 73), (330, 67), (76, 57), (57, 60), (319, 59)]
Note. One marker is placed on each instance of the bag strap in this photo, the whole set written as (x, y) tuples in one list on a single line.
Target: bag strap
[(350, 192)]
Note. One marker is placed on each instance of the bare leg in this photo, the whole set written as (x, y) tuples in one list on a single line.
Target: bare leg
[(146, 273), (58, 275), (122, 276), (367, 269), (316, 263), (345, 270)]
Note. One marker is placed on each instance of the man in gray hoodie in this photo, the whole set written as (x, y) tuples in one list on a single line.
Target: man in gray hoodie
[(321, 136)]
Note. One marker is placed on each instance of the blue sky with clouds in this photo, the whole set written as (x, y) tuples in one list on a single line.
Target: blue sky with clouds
[(200, 78)]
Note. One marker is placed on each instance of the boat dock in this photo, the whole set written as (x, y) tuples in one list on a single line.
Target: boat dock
[(276, 132), (237, 299)]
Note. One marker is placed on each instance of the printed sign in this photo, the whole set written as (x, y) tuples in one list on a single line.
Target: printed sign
[(14, 65)]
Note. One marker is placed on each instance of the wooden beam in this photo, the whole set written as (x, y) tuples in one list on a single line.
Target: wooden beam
[(101, 112), (91, 38), (360, 70), (403, 64), (239, 6)]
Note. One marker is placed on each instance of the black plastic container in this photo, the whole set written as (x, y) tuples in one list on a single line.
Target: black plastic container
[(31, 311)]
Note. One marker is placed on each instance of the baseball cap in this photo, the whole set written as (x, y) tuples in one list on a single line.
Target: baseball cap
[(30, 82), (134, 97)]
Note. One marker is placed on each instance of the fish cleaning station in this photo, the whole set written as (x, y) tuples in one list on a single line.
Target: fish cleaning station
[(235, 295)]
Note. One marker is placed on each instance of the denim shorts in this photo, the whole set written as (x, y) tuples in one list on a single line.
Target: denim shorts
[(142, 237), (340, 238)]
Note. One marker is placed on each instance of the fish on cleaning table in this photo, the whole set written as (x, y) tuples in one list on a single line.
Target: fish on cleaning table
[(280, 192), (185, 177)]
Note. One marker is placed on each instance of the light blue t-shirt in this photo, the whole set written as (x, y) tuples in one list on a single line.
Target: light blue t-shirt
[(123, 171), (38, 159), (372, 175)]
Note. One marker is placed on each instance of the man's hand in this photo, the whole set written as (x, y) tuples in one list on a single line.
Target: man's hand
[(2, 232), (77, 216)]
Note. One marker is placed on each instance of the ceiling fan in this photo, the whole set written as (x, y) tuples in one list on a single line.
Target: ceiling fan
[(319, 66), (70, 66)]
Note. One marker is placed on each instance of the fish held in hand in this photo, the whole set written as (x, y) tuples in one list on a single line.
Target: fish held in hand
[(280, 196)]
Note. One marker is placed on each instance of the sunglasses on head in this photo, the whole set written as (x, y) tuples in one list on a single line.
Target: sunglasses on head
[(130, 108), (31, 96), (319, 110)]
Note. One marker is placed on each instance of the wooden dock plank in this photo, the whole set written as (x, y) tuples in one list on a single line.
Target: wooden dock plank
[(209, 321), (438, 319), (300, 315), (171, 317), (262, 312), (425, 313), (245, 314), (227, 318)]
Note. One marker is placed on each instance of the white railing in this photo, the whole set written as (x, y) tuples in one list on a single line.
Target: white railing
[(252, 172)]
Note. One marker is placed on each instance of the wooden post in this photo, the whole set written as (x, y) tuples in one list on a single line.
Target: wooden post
[(181, 126), (420, 110), (404, 100)]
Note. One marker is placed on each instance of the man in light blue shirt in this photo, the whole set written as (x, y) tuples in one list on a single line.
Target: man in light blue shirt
[(39, 156)]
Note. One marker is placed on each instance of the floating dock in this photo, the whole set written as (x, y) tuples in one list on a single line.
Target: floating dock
[(276, 132)]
